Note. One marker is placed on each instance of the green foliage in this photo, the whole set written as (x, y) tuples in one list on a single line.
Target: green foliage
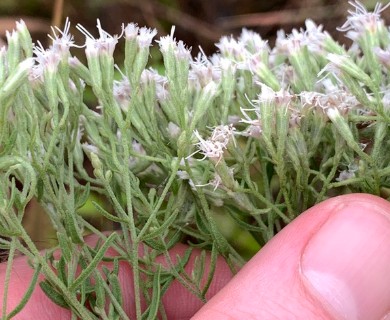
[(250, 135)]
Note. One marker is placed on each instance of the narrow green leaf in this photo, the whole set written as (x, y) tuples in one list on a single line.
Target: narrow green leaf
[(199, 267), (63, 242), (238, 219), (9, 232), (26, 295), (95, 261), (155, 303), (61, 270), (53, 294), (106, 214), (100, 294), (71, 226), (39, 189), (174, 239), (210, 276), (158, 231), (116, 288), (201, 222), (156, 245), (183, 260), (9, 144), (82, 197), (115, 270)]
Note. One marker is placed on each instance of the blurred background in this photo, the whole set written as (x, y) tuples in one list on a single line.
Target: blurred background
[(198, 23)]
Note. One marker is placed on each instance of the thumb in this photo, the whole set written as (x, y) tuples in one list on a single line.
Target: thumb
[(332, 262)]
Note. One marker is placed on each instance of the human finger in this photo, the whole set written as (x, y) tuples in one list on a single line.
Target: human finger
[(332, 262)]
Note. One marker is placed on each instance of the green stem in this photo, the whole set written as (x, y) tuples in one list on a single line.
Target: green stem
[(161, 198), (8, 276), (133, 232), (53, 278)]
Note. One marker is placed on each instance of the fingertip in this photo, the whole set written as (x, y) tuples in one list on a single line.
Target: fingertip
[(345, 264), (273, 285)]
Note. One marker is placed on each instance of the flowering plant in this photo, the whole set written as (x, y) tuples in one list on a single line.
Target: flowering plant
[(253, 134)]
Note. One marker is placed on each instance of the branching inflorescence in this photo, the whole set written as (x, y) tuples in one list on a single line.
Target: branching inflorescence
[(253, 134)]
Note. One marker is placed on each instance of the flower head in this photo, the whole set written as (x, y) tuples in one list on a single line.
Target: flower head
[(145, 37), (335, 66), (383, 56), (217, 180), (89, 148), (215, 146), (253, 41), (291, 44), (348, 173), (122, 91), (223, 134), (131, 31), (21, 26), (282, 97), (151, 77), (47, 60), (330, 103), (63, 41), (12, 37), (105, 44), (203, 72), (168, 42), (231, 48), (182, 52), (209, 148), (162, 92), (360, 20), (173, 130), (315, 37)]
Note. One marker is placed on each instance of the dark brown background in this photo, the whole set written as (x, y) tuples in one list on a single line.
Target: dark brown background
[(198, 22)]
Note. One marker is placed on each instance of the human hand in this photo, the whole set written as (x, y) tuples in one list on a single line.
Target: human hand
[(332, 262)]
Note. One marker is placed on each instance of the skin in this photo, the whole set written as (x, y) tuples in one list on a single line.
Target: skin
[(329, 263)]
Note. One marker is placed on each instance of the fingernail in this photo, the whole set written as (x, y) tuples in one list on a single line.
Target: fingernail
[(346, 264)]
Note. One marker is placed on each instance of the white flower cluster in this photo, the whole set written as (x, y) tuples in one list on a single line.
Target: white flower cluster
[(280, 99), (362, 20), (215, 146), (340, 99), (313, 37), (48, 59), (203, 71), (104, 44), (169, 43)]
